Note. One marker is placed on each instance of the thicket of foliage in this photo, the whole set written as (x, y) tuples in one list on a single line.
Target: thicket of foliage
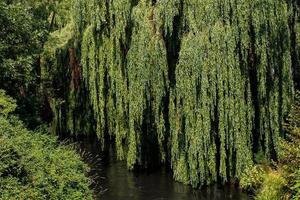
[(24, 28), (21, 38), (282, 180), (22, 34), (33, 165), (201, 85)]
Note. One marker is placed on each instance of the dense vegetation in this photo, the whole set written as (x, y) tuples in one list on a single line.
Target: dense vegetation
[(205, 84), (203, 87), (33, 165)]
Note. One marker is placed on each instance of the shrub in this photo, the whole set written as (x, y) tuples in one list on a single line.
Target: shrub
[(34, 166), (272, 187), (7, 104)]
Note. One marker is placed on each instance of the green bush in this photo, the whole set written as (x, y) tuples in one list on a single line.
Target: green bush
[(34, 166), (265, 183), (7, 104), (272, 187)]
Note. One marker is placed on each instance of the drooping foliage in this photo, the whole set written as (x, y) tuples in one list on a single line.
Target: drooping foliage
[(233, 77), (200, 85), (126, 85), (211, 109)]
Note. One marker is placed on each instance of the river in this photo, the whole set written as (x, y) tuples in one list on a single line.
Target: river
[(112, 180)]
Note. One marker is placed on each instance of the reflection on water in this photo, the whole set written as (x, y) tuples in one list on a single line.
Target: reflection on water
[(112, 181)]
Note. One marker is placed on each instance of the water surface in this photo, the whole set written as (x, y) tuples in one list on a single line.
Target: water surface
[(112, 181)]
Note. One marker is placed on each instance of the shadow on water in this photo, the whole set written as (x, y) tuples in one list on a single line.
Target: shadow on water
[(112, 180)]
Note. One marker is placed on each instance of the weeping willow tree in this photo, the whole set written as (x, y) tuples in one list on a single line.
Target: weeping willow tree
[(233, 77), (211, 109), (201, 85), (126, 85)]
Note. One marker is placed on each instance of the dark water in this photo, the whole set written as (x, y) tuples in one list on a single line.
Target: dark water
[(112, 181)]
